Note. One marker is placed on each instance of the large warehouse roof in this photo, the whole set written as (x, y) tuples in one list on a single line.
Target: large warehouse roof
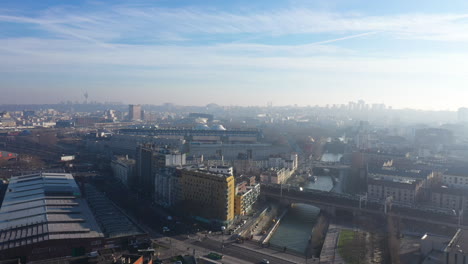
[(44, 206), (113, 221)]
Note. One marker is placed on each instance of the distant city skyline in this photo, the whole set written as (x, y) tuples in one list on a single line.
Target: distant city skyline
[(348, 105), (406, 55), (265, 104)]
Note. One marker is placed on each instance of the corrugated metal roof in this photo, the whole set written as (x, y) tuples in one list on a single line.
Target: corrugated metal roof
[(113, 222), (44, 206)]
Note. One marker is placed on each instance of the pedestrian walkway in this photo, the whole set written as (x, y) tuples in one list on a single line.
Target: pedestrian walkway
[(329, 254), (263, 223)]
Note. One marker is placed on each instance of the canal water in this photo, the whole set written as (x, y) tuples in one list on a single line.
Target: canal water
[(323, 183), (296, 226)]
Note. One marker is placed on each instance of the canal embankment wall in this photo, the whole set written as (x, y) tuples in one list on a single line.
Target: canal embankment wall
[(273, 229), (317, 236)]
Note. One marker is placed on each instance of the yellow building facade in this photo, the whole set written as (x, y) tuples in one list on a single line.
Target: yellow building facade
[(208, 195), (238, 204)]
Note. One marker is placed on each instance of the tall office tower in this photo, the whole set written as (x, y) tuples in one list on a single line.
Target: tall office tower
[(151, 165), (134, 112), (144, 171)]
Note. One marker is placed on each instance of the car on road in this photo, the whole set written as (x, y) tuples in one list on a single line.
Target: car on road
[(93, 254), (215, 256), (265, 261)]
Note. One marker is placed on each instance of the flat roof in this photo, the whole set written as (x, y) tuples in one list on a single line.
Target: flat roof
[(44, 206), (125, 160), (395, 184), (204, 171), (415, 173), (113, 221), (460, 171)]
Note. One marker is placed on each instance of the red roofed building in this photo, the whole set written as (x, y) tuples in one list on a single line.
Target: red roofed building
[(5, 155)]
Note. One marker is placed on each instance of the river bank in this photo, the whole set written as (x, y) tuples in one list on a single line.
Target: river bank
[(295, 229), (273, 229), (317, 237)]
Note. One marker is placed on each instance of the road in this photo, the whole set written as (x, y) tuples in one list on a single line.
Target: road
[(245, 254), (177, 247), (185, 244), (233, 253)]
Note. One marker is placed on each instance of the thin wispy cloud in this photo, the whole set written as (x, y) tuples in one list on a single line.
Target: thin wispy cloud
[(117, 23), (188, 46), (344, 38)]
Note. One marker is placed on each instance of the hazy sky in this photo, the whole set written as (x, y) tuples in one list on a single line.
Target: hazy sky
[(400, 52)]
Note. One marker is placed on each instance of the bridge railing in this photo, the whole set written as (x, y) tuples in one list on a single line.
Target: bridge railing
[(349, 200)]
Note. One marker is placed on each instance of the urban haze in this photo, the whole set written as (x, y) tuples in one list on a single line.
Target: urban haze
[(184, 132)]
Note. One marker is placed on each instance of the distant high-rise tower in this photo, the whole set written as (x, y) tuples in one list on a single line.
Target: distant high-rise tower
[(463, 115), (86, 95), (134, 112)]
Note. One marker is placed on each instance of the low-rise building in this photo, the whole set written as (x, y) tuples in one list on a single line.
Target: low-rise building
[(7, 122), (117, 227), (279, 162), (276, 176), (43, 216), (245, 199), (127, 144), (432, 248), (406, 191), (5, 155), (405, 186), (233, 151), (241, 186), (123, 169), (250, 180), (227, 170), (456, 178), (450, 198), (456, 251), (248, 166), (392, 173)]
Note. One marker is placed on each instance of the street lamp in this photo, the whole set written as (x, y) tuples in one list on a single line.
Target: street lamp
[(165, 229), (222, 236), (362, 198), (460, 216), (388, 203)]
